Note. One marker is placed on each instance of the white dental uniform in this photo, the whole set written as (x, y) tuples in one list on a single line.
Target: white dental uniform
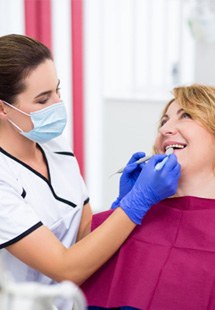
[(28, 200)]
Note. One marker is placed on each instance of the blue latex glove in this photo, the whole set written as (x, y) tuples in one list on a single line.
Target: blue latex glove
[(151, 187), (128, 177)]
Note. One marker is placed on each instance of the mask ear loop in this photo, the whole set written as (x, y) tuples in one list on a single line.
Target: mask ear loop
[(15, 125), (15, 108)]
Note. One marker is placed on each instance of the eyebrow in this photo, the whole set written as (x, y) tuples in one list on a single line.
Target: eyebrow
[(47, 92), (178, 112)]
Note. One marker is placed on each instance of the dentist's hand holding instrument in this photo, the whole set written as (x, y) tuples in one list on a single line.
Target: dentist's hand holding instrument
[(131, 172), (152, 185), (140, 157), (129, 176)]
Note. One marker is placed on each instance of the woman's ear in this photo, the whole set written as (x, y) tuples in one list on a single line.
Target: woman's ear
[(3, 110)]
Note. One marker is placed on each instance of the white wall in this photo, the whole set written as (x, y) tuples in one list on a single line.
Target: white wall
[(11, 17), (62, 52), (128, 127), (204, 63)]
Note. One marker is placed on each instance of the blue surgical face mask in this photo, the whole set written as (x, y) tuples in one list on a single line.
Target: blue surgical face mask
[(48, 123)]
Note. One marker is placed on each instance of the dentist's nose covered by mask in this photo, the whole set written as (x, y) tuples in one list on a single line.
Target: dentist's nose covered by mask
[(49, 122)]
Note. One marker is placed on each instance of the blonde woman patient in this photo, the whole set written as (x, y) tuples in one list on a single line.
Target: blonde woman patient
[(168, 262)]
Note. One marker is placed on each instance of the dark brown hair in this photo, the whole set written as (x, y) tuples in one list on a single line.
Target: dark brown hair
[(19, 55)]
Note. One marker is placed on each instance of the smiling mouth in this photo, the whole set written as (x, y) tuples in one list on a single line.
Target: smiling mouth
[(175, 147)]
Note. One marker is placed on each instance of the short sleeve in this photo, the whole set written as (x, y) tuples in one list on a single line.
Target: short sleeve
[(17, 218)]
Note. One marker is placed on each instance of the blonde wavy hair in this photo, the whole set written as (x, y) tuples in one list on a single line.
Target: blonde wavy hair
[(198, 101)]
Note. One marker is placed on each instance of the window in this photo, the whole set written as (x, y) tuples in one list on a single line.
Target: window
[(147, 47)]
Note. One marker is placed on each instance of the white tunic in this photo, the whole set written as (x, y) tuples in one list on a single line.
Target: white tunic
[(28, 200)]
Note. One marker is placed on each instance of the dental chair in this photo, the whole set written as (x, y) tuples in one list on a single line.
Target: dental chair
[(35, 296)]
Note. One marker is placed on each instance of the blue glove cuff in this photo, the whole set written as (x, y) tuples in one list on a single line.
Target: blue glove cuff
[(116, 203), (136, 220), (134, 208)]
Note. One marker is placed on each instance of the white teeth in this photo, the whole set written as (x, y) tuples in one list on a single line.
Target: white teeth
[(177, 146)]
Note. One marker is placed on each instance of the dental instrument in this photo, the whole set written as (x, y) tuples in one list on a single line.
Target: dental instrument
[(144, 159), (160, 165)]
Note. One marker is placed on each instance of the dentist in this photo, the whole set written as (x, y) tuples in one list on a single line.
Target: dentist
[(45, 215)]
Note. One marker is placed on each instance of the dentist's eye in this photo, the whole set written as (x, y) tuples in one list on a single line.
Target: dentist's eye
[(42, 101)]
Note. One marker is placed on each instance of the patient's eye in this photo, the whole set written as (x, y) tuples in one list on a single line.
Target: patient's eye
[(163, 121), (186, 115)]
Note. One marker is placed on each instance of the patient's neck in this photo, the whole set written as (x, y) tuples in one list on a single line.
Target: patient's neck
[(201, 185)]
